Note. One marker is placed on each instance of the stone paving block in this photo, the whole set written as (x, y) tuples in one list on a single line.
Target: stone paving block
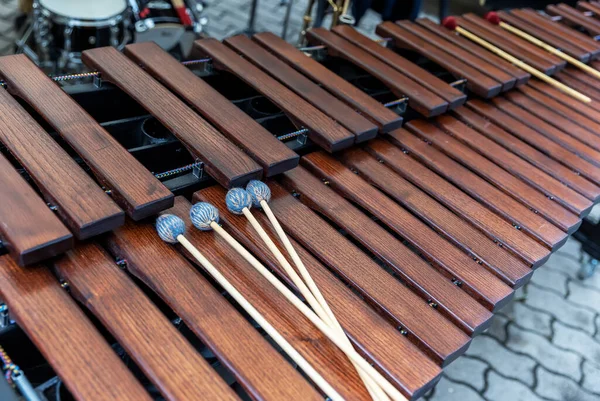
[(567, 312), (468, 371), (542, 351), (502, 360), (559, 388), (503, 389), (498, 327), (591, 377), (566, 263), (550, 279), (450, 391), (581, 293), (528, 318), (577, 341)]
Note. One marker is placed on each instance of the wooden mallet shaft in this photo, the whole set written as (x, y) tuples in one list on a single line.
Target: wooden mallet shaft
[(495, 19), (450, 23)]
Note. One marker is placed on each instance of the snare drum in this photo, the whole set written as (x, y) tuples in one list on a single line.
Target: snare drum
[(65, 28)]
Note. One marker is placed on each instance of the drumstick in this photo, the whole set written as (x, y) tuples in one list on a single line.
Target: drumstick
[(239, 201), (205, 216), (495, 19), (451, 24), (180, 8), (171, 229)]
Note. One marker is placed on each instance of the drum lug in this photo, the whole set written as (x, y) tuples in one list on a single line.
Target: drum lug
[(5, 321)]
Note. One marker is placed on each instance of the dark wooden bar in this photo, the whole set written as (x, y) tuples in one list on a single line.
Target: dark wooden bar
[(558, 29), (495, 227), (132, 186), (420, 98), (475, 243), (385, 119), (558, 42), (453, 96), (328, 104), (392, 352), (229, 119), (258, 367), (81, 203), (69, 343), (521, 76), (481, 64), (552, 112), (30, 231), (323, 130), (534, 156), (549, 131), (509, 184), (548, 91), (448, 259), (178, 371), (517, 41), (536, 139), (223, 161), (575, 17), (374, 284), (512, 163), (517, 213), (477, 82), (502, 42), (325, 357)]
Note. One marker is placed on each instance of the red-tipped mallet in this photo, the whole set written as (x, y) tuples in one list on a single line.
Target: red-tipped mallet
[(451, 24), (494, 18)]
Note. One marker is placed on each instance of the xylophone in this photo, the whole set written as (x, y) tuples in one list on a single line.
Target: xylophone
[(421, 183)]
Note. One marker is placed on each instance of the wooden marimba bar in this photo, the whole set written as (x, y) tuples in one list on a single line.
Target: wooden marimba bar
[(415, 230)]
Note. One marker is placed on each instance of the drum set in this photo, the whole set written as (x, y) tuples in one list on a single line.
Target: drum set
[(58, 31)]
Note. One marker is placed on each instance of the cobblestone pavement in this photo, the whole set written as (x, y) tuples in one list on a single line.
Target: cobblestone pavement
[(543, 346)]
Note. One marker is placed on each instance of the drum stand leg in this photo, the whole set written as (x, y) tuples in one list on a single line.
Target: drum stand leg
[(251, 29)]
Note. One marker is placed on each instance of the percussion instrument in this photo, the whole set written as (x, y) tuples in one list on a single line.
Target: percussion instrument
[(421, 180), (64, 29)]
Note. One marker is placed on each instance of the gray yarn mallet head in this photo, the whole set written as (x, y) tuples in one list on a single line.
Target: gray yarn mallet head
[(237, 199), (169, 227), (203, 214), (259, 191)]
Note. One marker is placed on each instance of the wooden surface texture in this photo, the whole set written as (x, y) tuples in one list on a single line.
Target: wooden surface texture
[(507, 182), (575, 17), (453, 96), (521, 76), (501, 203), (132, 186), (535, 139), (481, 64), (534, 156), (449, 260), (79, 355), (477, 82), (30, 231), (497, 228), (393, 353), (420, 98), (462, 234), (323, 130), (230, 120), (150, 339), (81, 203), (223, 161), (384, 118), (328, 104), (325, 357), (257, 366)]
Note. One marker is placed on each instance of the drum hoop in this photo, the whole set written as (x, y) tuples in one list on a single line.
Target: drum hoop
[(78, 22)]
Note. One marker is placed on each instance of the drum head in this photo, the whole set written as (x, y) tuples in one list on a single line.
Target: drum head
[(86, 9)]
